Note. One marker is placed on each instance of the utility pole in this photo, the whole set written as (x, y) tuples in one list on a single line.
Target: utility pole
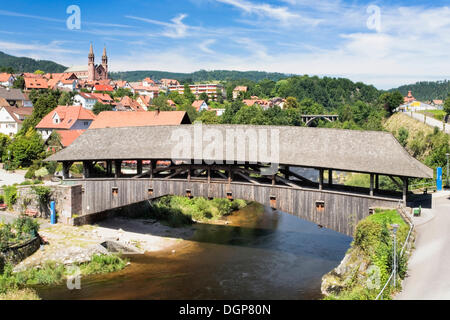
[(395, 227), (448, 167)]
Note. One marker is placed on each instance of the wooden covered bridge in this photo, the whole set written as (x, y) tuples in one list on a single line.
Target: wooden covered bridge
[(124, 166)]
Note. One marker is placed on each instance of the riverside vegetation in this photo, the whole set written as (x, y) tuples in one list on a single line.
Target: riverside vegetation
[(176, 211), (368, 263), (19, 285)]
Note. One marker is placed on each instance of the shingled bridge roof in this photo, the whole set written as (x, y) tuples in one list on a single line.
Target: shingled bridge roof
[(345, 150)]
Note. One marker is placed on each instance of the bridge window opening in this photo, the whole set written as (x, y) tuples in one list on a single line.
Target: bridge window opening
[(230, 196), (150, 191), (115, 191), (273, 202), (189, 193), (371, 211), (320, 206)]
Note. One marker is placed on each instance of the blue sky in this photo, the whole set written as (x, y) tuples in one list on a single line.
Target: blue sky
[(409, 42)]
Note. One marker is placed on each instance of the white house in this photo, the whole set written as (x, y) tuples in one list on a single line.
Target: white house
[(11, 119), (86, 100), (70, 85), (6, 80)]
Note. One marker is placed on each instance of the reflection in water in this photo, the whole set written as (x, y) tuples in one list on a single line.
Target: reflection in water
[(260, 254)]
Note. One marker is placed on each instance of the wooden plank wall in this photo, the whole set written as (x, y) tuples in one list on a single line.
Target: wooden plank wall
[(341, 211)]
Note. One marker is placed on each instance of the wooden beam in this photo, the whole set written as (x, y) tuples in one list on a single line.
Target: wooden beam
[(254, 181), (396, 182), (330, 177), (371, 184), (377, 182), (285, 181), (118, 168), (320, 179), (405, 190), (139, 167)]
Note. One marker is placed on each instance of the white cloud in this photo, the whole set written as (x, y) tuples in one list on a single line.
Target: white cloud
[(205, 46), (176, 29)]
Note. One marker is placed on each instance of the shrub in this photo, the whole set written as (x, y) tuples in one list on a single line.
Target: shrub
[(10, 195), (42, 172)]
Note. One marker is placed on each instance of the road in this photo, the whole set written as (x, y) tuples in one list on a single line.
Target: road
[(429, 121), (8, 178), (429, 272)]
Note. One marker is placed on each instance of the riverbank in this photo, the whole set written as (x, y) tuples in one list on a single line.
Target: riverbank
[(366, 266)]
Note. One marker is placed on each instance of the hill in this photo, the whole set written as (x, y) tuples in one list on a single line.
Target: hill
[(22, 64), (198, 76), (427, 90)]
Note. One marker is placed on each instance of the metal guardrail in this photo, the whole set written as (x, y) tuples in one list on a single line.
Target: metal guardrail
[(411, 224)]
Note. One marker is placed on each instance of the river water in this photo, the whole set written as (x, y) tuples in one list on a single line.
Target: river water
[(260, 254)]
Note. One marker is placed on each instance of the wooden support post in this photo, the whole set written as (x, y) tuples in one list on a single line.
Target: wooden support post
[(189, 174), (286, 172), (109, 167), (273, 179), (230, 174), (330, 177), (405, 190), (371, 184), (117, 168), (377, 182), (139, 167), (66, 169), (320, 179), (86, 170), (152, 168), (209, 174)]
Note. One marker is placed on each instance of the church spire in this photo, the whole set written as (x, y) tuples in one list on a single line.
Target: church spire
[(104, 52)]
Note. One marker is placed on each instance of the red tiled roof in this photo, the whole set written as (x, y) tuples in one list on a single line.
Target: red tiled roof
[(130, 103), (241, 89), (67, 137), (35, 83), (5, 77), (103, 97), (102, 87), (68, 116), (197, 104), (118, 119)]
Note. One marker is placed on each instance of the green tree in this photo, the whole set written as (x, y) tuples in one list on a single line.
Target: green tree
[(208, 117), (188, 93), (19, 83), (24, 149), (292, 102), (231, 110), (391, 101), (100, 107), (4, 143), (447, 105), (39, 72), (204, 96), (43, 102)]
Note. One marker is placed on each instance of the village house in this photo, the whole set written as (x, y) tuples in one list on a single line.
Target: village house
[(11, 118), (122, 84), (86, 100), (147, 82), (103, 98), (103, 88), (200, 105), (65, 118), (151, 91), (67, 137), (128, 104), (169, 82), (14, 97), (35, 84), (117, 119), (6, 80), (144, 101), (238, 90)]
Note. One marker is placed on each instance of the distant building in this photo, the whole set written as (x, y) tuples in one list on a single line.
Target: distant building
[(67, 137), (11, 119), (128, 104), (6, 80), (86, 100), (35, 84), (65, 118), (409, 98), (211, 89), (169, 82), (92, 72), (117, 119), (14, 97), (200, 105), (238, 90)]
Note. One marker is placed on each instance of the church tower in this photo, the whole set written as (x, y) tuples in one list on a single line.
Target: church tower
[(105, 62), (91, 65)]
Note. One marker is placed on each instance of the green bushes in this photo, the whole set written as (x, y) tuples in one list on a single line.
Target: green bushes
[(372, 253), (180, 211), (23, 228), (53, 273), (10, 195)]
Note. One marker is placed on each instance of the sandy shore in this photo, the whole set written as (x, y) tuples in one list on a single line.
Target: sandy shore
[(67, 244)]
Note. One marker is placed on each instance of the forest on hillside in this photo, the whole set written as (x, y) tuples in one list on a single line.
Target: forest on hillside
[(21, 64), (198, 76), (427, 90)]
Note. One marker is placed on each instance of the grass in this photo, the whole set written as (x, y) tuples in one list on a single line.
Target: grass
[(178, 211), (437, 114), (371, 255), (16, 284)]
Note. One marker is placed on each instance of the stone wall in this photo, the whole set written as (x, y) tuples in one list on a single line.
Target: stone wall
[(67, 201), (19, 252)]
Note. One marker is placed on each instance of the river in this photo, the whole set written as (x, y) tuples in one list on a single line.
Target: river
[(259, 254)]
